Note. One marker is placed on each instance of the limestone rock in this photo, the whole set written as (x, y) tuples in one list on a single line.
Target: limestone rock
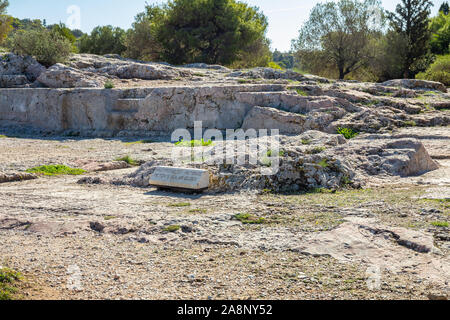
[(61, 76), (12, 64), (270, 118), (416, 84), (16, 177)]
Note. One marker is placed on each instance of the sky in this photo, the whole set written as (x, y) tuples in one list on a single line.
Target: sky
[(285, 16)]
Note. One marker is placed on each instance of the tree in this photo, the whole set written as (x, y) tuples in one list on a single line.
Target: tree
[(5, 21), (444, 8), (210, 31), (103, 40), (62, 30), (410, 21), (440, 30), (337, 35), (140, 41)]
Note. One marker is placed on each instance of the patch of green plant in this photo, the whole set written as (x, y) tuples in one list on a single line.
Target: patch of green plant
[(3, 136), (247, 218), (439, 71), (198, 74), (274, 65), (128, 160), (107, 218), (54, 170), (243, 81), (271, 152), (316, 150), (7, 279), (306, 141), (180, 204), (348, 133), (173, 228), (109, 84), (441, 224), (194, 143), (301, 92), (323, 163)]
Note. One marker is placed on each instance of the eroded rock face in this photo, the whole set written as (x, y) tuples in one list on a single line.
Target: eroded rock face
[(13, 177), (18, 71), (416, 84), (61, 76)]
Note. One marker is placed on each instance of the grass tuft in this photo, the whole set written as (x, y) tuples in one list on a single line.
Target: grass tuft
[(128, 160), (7, 279), (194, 143), (173, 228), (247, 218), (55, 170), (180, 204), (347, 133), (441, 224)]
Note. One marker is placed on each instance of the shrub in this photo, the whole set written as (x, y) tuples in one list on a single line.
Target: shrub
[(274, 65), (439, 71), (47, 47), (109, 84)]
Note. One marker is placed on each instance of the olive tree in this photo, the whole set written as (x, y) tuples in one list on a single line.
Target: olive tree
[(338, 35)]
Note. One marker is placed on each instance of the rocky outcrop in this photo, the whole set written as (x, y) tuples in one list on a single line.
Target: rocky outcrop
[(270, 118), (12, 177), (61, 76), (416, 84), (18, 71), (274, 74)]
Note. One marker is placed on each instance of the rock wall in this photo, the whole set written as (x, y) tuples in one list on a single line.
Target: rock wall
[(100, 112)]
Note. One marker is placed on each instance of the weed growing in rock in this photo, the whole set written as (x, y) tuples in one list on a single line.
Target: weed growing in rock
[(347, 133), (194, 143), (109, 84), (55, 170), (409, 123), (441, 224), (324, 163), (128, 160), (247, 218), (173, 228), (180, 204), (3, 136)]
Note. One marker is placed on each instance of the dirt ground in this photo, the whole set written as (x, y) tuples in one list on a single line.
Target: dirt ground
[(77, 241)]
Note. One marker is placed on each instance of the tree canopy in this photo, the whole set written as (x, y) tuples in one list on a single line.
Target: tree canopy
[(337, 35)]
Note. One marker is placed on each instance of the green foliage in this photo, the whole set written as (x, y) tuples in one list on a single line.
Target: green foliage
[(103, 40), (109, 84), (55, 170), (410, 20), (7, 279), (284, 60), (210, 31), (274, 65), (440, 29), (348, 133), (173, 228), (441, 224), (48, 47), (2, 136), (128, 160), (194, 143), (180, 204), (438, 71), (337, 35), (323, 163), (246, 218), (65, 32)]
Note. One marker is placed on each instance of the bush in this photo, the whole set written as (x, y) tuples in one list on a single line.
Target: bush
[(347, 133), (438, 71), (274, 65), (46, 46)]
